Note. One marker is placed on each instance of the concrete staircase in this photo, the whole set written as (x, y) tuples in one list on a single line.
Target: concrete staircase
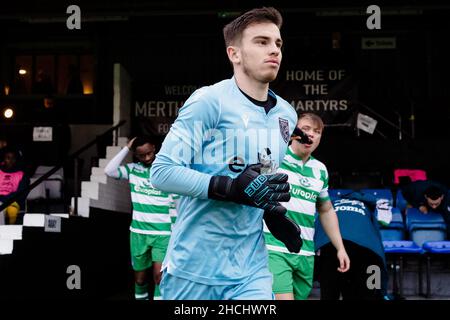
[(104, 192), (11, 233), (100, 192)]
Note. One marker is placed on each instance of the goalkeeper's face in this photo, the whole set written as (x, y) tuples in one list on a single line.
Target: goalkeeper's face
[(258, 54), (145, 154)]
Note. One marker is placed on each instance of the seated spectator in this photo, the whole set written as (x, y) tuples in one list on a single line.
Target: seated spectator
[(360, 232), (428, 195), (12, 180)]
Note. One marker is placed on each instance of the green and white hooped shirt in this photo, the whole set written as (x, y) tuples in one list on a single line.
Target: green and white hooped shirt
[(151, 207), (153, 210), (308, 185)]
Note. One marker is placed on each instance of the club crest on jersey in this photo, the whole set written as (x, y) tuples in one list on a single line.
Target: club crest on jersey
[(305, 182), (147, 184), (284, 129)]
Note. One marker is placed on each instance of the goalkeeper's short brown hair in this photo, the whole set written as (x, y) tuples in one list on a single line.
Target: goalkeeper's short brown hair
[(232, 32)]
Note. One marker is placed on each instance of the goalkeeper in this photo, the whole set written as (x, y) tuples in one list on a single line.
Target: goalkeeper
[(212, 157)]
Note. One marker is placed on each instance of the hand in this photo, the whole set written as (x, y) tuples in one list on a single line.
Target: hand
[(130, 143), (423, 209), (157, 272), (285, 230), (253, 189), (344, 260)]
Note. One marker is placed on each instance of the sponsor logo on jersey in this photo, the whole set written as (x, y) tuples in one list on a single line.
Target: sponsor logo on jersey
[(351, 209), (147, 191), (304, 194)]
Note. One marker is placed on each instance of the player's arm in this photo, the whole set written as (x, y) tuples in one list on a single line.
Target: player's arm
[(413, 196), (330, 224), (171, 171), (113, 168)]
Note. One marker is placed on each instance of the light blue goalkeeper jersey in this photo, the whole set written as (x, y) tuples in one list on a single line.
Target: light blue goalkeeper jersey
[(218, 132)]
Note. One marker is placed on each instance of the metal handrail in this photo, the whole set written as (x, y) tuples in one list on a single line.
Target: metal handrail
[(398, 127)]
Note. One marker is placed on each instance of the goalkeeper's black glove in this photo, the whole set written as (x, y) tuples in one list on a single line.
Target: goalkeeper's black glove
[(285, 230), (252, 188)]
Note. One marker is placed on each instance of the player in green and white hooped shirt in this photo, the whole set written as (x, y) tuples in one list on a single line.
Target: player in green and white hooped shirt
[(308, 179), (152, 212)]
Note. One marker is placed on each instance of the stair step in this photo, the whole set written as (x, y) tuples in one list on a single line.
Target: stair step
[(13, 232), (98, 171), (100, 179), (83, 206), (62, 215), (103, 162), (34, 220), (6, 246), (122, 141), (111, 151), (89, 189)]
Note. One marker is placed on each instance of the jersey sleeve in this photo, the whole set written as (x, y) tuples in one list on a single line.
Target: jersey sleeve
[(323, 195), (114, 170), (171, 171)]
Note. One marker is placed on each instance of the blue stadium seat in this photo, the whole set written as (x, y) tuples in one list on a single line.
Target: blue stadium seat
[(381, 194), (395, 231), (434, 248), (437, 247), (420, 234), (399, 250), (392, 234), (413, 216), (336, 193), (425, 227), (403, 246), (397, 219)]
